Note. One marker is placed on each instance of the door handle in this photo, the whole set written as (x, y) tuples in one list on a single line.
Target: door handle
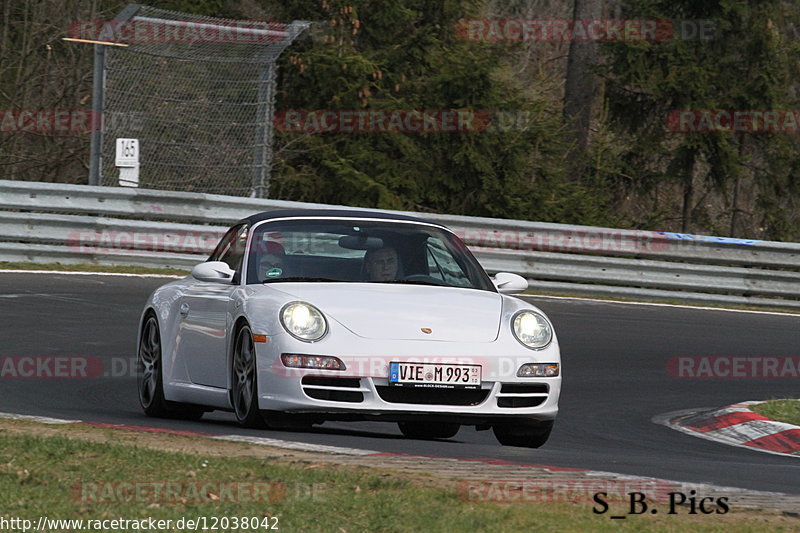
[(184, 309)]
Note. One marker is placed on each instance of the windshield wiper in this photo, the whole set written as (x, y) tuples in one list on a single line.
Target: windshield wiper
[(414, 282), (301, 278)]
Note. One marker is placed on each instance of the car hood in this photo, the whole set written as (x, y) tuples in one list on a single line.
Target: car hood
[(400, 312)]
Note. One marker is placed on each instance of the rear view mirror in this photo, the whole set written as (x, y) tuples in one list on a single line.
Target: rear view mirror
[(508, 283), (360, 242), (213, 271)]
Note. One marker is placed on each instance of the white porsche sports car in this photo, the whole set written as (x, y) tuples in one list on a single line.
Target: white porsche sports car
[(303, 316)]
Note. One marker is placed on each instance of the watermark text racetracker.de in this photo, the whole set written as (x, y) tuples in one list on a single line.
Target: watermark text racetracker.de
[(68, 121), (590, 240), (193, 492), (381, 121), (734, 121), (405, 121), (583, 30), (144, 242), (377, 366), (734, 367), (66, 367), (175, 31), (49, 121), (629, 497), (550, 490), (120, 524)]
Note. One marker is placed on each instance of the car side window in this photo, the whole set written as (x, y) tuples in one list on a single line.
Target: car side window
[(230, 249)]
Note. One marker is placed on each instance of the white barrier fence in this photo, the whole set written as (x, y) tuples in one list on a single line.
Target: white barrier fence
[(46, 223)]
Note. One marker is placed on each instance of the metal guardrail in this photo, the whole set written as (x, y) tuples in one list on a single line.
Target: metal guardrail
[(43, 222)]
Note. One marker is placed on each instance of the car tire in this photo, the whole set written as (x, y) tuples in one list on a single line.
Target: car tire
[(522, 433), (428, 430), (244, 380), (150, 377)]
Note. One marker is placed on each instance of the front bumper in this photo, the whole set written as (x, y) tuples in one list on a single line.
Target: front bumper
[(346, 398), (362, 391)]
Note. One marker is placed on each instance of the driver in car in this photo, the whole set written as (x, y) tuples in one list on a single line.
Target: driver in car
[(381, 264), (273, 262)]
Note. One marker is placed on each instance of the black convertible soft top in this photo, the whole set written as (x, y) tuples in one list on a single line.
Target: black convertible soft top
[(338, 213)]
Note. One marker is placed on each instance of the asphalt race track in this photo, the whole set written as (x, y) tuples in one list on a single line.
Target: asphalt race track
[(615, 380)]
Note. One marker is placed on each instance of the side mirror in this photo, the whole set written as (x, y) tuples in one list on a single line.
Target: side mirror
[(508, 283), (213, 271)]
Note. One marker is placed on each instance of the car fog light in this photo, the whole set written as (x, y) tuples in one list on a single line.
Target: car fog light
[(538, 370), (322, 362)]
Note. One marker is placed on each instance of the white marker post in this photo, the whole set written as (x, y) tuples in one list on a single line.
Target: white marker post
[(127, 160)]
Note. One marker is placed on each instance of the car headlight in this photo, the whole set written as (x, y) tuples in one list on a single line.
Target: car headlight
[(532, 329), (304, 321)]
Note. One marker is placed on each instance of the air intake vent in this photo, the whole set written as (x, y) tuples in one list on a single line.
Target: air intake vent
[(522, 394), (525, 388), (333, 389), (325, 381), (432, 396)]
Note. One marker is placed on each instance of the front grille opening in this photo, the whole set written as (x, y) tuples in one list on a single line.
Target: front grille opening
[(335, 395), (326, 381), (426, 396), (522, 401), (525, 388)]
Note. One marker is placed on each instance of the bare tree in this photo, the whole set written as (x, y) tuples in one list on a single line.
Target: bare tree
[(581, 85), (40, 73)]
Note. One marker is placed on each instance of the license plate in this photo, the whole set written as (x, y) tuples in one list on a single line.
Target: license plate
[(435, 375)]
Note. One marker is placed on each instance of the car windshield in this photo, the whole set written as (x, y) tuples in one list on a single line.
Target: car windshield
[(356, 250)]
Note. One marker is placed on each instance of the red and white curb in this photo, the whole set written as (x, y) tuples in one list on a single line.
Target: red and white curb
[(737, 425)]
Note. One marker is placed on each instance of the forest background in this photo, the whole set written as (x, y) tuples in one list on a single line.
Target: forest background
[(582, 132)]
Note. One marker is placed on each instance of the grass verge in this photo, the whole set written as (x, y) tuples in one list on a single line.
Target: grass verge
[(75, 472), (123, 269), (787, 411)]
